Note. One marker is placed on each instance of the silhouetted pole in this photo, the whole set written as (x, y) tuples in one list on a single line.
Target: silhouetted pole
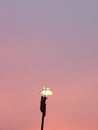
[(43, 110), (42, 124), (45, 92)]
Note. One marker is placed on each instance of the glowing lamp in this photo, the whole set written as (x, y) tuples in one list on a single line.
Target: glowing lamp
[(46, 92)]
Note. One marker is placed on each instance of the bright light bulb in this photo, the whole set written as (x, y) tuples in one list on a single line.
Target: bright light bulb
[(46, 92)]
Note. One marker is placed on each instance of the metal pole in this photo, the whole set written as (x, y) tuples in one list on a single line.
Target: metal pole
[(42, 124), (43, 110)]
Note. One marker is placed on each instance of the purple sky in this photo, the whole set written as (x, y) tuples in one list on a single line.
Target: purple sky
[(49, 43)]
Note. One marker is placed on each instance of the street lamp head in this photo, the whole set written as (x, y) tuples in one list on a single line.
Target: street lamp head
[(46, 92)]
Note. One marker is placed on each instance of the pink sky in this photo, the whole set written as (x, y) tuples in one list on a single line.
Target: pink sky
[(49, 43)]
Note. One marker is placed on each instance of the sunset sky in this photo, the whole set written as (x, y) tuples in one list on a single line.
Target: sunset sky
[(51, 43)]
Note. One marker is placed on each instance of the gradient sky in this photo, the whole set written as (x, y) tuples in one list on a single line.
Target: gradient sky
[(50, 43)]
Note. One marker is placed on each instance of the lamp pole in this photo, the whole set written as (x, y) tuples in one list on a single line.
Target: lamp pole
[(45, 92), (43, 110)]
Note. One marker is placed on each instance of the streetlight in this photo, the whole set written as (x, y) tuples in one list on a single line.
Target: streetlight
[(44, 94)]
